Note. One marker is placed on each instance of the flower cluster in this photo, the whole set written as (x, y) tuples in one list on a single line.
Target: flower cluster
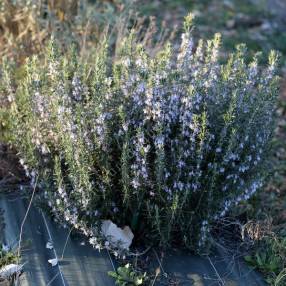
[(166, 144)]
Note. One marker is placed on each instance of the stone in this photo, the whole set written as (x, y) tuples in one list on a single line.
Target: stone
[(117, 236), (10, 270)]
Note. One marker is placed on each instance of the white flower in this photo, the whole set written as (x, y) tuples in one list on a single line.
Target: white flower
[(93, 241)]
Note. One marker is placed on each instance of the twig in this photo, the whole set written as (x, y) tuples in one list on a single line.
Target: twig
[(111, 260), (220, 279), (160, 264), (141, 253), (62, 257), (21, 230), (156, 276), (24, 220)]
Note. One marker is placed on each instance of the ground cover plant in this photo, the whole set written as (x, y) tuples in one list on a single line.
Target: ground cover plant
[(7, 257), (126, 276), (167, 144), (270, 258)]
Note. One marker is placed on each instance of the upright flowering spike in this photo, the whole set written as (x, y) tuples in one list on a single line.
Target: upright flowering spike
[(187, 44)]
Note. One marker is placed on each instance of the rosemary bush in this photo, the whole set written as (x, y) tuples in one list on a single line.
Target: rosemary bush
[(167, 144)]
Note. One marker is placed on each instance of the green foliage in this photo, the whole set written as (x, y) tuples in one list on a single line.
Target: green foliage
[(6, 97), (126, 276), (7, 257), (280, 279), (167, 144), (270, 258)]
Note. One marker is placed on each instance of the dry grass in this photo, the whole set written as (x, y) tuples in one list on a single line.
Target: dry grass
[(25, 27)]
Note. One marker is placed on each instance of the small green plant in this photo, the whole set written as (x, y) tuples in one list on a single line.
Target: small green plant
[(270, 258), (126, 276), (7, 257)]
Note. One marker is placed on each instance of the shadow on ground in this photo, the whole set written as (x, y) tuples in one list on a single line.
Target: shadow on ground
[(81, 265)]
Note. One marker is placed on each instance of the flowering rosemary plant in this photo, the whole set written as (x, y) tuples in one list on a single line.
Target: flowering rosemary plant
[(165, 144)]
